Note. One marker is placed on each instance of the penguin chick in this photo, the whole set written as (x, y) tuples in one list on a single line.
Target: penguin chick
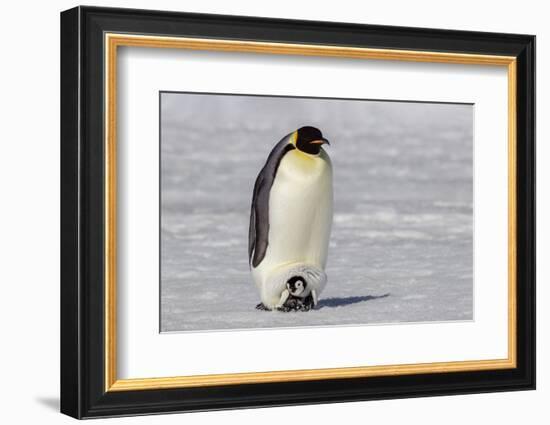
[(277, 292), (298, 295), (297, 285)]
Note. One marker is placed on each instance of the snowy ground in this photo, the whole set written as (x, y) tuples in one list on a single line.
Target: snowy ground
[(401, 246)]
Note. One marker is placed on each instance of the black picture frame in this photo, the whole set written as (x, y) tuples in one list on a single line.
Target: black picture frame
[(83, 392)]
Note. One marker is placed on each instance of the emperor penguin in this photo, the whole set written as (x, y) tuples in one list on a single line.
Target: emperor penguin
[(291, 217)]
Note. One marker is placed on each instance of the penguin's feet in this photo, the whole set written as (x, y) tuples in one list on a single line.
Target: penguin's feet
[(262, 307), (292, 304), (307, 304), (285, 309), (297, 304), (305, 307)]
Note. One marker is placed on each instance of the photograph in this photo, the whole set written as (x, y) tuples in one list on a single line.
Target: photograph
[(281, 212)]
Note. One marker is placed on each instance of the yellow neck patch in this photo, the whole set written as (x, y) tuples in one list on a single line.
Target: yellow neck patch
[(294, 138)]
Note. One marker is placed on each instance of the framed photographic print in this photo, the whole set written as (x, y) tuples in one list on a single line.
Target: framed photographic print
[(261, 212)]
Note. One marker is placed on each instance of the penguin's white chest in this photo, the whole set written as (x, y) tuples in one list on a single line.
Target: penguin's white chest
[(300, 210)]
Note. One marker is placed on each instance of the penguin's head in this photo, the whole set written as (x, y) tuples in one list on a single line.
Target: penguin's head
[(296, 285), (309, 140)]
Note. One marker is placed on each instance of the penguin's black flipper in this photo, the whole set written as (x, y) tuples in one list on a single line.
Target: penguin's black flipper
[(259, 211)]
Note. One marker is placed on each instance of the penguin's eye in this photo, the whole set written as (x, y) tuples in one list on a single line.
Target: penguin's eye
[(299, 284)]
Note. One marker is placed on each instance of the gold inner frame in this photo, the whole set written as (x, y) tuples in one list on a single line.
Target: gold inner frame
[(113, 41)]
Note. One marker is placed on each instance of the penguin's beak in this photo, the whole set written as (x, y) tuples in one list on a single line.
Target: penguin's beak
[(321, 141)]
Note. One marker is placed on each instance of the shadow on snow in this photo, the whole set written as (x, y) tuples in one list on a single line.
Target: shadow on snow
[(344, 301)]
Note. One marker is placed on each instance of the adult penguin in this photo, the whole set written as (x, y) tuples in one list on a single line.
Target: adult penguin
[(291, 216)]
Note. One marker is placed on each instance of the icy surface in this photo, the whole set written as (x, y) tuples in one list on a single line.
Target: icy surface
[(401, 246)]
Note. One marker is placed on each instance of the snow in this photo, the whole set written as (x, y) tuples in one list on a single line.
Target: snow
[(401, 248)]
